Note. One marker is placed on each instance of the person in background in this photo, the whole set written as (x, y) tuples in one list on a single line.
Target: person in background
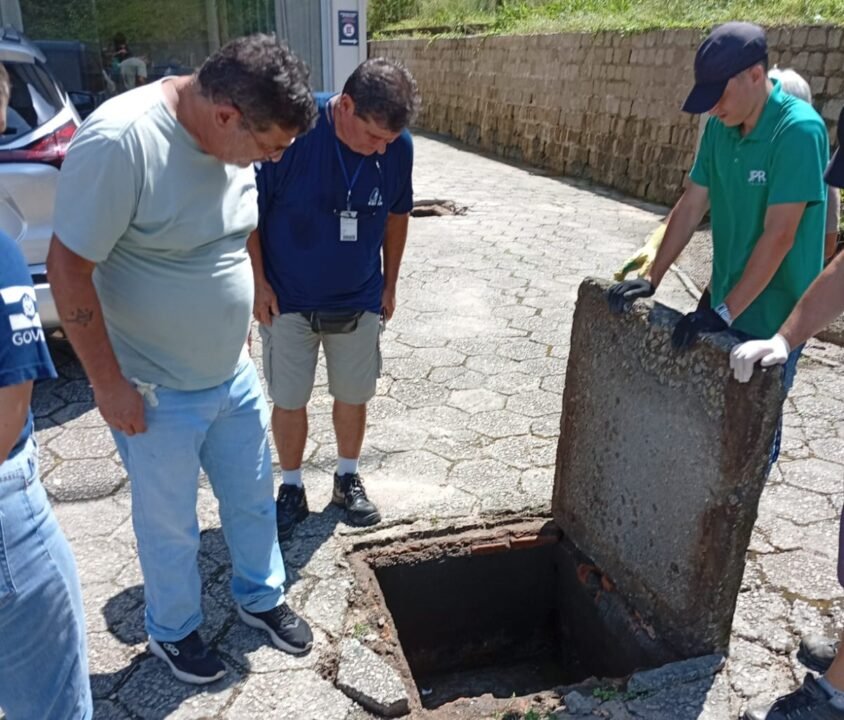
[(133, 72), (794, 84)]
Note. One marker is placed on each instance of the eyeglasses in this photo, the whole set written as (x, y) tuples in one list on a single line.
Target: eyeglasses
[(267, 150)]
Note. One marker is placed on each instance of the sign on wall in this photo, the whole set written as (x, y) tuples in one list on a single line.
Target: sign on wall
[(348, 20)]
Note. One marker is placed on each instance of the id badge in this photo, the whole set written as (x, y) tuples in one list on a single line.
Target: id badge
[(348, 226)]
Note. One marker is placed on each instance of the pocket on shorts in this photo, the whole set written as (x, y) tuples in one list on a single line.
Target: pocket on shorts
[(381, 325), (7, 584), (267, 351)]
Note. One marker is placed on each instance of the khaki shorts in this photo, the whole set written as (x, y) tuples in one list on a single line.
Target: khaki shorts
[(291, 350)]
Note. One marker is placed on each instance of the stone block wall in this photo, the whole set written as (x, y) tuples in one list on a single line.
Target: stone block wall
[(602, 106)]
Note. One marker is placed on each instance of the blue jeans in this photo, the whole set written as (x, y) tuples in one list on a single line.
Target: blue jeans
[(43, 656), (789, 370), (222, 429)]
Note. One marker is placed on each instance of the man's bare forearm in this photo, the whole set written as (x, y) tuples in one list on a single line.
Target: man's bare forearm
[(395, 238), (763, 264), (81, 314), (253, 247), (684, 219), (14, 399), (822, 303), (781, 223)]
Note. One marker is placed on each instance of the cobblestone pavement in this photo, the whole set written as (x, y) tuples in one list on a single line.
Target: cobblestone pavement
[(464, 425)]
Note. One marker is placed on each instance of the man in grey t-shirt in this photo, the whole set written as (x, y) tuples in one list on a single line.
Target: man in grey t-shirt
[(133, 72), (153, 284)]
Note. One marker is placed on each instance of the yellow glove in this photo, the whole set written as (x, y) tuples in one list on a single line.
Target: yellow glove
[(643, 258)]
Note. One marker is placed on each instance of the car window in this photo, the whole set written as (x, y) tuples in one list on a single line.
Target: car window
[(34, 99)]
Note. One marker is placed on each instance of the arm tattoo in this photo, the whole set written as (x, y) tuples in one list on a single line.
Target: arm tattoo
[(81, 316)]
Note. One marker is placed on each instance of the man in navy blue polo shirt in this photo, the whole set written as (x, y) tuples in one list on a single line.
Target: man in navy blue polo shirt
[(336, 203), (43, 658)]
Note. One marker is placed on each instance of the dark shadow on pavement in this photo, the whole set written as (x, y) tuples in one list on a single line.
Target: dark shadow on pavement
[(66, 397), (145, 687), (571, 181)]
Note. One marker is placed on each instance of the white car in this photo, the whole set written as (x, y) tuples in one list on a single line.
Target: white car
[(40, 123)]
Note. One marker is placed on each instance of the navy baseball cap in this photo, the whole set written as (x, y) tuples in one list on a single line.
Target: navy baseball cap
[(834, 174), (729, 49)]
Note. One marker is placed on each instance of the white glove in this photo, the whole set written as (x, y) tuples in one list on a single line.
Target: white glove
[(771, 352)]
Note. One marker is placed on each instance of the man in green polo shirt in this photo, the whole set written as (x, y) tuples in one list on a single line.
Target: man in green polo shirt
[(760, 170)]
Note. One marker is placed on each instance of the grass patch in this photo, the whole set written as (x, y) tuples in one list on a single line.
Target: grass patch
[(454, 17), (607, 694), (361, 630)]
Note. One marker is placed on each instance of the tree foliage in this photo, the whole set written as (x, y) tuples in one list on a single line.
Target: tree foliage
[(143, 21)]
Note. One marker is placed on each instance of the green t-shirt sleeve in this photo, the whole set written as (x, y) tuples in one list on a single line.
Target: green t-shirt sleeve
[(702, 168), (96, 196), (798, 159)]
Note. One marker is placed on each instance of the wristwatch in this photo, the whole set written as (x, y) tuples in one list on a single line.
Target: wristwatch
[(724, 313)]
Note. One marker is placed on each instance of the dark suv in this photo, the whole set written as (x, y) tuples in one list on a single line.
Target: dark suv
[(40, 123), (78, 67)]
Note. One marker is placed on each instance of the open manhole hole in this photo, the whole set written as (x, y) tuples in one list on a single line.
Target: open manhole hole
[(437, 208), (516, 610)]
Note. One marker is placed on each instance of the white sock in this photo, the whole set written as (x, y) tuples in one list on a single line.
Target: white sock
[(292, 477), (836, 697), (347, 466)]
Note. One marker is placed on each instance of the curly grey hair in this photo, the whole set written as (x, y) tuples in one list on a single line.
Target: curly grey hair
[(792, 83), (264, 80)]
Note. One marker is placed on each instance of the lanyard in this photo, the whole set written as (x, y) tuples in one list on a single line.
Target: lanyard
[(349, 184)]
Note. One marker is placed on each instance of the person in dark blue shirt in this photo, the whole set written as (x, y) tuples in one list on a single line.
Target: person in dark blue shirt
[(43, 656), (333, 216)]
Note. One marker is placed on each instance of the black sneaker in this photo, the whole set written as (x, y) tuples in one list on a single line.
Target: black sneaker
[(809, 702), (287, 630), (291, 507), (189, 659), (349, 492), (817, 652)]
